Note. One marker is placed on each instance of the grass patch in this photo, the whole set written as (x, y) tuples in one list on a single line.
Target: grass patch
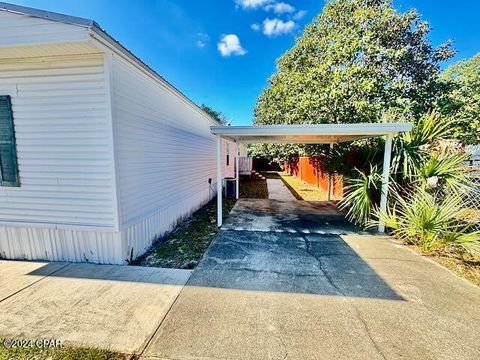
[(300, 189), (61, 353), (463, 265), (184, 247), (252, 188)]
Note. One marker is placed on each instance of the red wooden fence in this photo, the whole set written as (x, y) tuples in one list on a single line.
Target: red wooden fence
[(309, 169)]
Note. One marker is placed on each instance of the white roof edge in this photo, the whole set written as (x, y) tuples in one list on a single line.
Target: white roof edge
[(374, 129), (67, 19), (95, 27)]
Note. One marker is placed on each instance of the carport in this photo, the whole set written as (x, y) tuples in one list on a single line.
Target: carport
[(307, 134)]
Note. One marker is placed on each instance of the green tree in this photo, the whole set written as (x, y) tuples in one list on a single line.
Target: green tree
[(463, 103), (217, 115), (356, 61)]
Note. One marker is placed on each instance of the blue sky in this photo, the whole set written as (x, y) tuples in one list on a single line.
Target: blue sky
[(180, 39)]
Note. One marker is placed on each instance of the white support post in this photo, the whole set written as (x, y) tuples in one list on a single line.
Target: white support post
[(237, 171), (330, 181), (385, 177), (219, 181)]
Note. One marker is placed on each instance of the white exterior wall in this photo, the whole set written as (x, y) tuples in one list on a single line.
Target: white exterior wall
[(22, 36), (64, 208), (165, 156), (109, 156), (63, 144), (18, 29)]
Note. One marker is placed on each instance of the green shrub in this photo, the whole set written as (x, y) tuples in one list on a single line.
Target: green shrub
[(432, 221), (426, 204), (447, 169), (419, 158), (361, 195)]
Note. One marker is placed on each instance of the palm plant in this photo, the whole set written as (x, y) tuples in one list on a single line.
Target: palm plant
[(410, 150), (431, 221), (361, 195), (444, 169), (415, 161), (426, 207)]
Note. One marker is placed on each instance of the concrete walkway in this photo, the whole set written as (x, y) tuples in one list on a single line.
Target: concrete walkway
[(278, 191), (293, 280), (112, 307)]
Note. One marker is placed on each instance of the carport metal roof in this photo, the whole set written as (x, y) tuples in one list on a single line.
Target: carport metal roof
[(307, 134)]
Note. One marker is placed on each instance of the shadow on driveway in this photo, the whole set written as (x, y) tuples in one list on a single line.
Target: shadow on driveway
[(269, 246), (288, 262), (130, 274), (294, 280), (288, 246)]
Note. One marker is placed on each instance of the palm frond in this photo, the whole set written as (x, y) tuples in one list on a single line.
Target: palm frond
[(361, 196), (430, 220), (410, 150), (448, 169)]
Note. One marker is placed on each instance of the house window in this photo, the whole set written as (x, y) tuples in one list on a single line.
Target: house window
[(8, 152), (228, 153)]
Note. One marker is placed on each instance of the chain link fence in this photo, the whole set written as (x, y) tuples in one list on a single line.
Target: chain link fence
[(472, 198)]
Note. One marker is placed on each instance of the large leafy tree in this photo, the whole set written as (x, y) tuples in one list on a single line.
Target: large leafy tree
[(356, 61), (463, 104)]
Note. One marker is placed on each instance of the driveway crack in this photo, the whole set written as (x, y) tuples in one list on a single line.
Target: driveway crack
[(308, 248), (320, 266), (367, 330)]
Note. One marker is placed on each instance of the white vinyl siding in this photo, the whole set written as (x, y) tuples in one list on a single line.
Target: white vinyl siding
[(17, 30), (63, 143), (165, 156), (166, 153)]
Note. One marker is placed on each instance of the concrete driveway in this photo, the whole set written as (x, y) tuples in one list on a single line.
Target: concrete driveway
[(293, 280)]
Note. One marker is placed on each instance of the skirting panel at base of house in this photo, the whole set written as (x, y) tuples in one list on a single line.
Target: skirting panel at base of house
[(139, 237), (100, 247), (30, 243)]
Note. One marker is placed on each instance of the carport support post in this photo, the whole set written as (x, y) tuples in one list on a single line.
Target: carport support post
[(237, 171), (330, 178), (219, 181), (385, 177)]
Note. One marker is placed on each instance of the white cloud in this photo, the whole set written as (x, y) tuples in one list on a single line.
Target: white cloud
[(200, 44), (299, 15), (275, 27), (280, 8), (252, 4), (230, 45), (255, 27)]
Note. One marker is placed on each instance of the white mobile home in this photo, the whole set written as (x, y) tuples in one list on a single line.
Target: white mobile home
[(99, 155)]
